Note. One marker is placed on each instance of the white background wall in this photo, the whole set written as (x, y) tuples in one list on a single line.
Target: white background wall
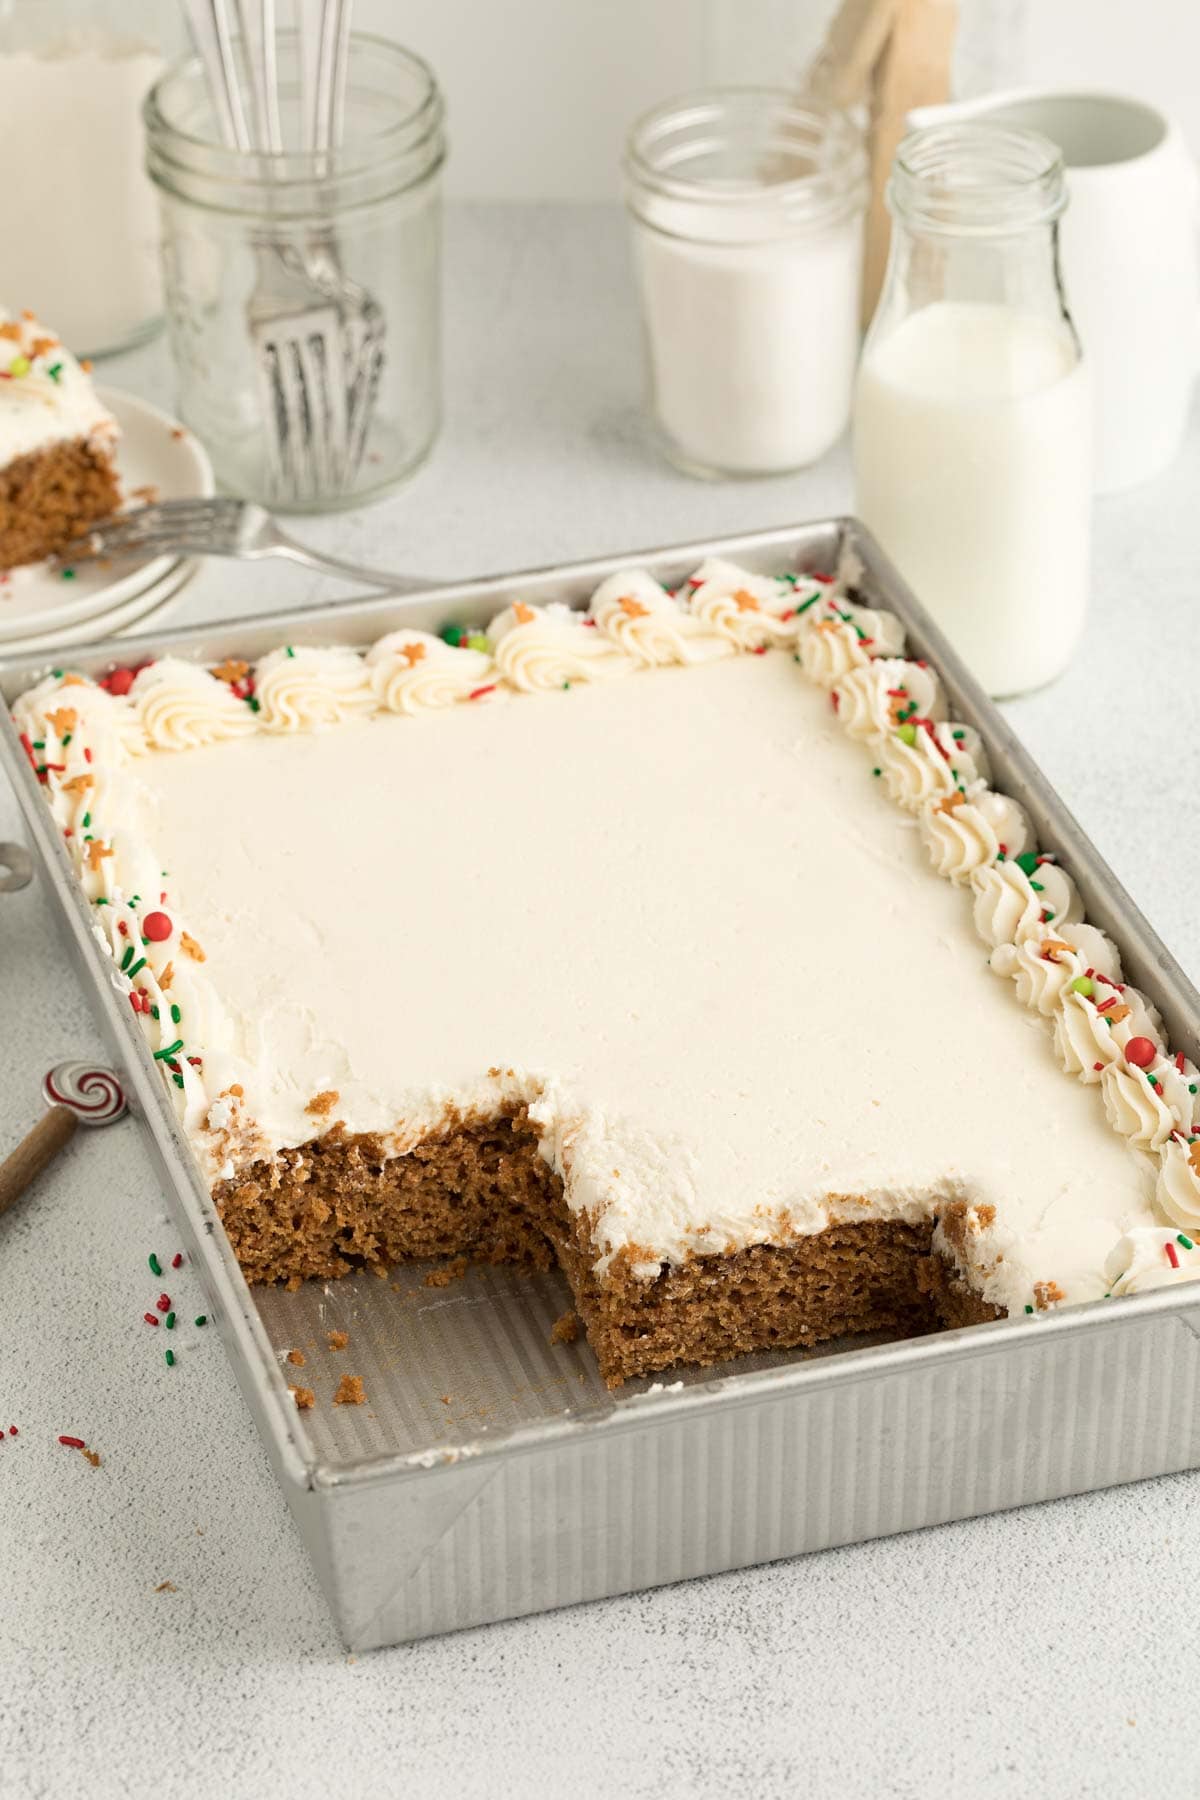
[(541, 92)]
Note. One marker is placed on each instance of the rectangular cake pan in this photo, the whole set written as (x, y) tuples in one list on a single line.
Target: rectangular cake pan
[(492, 1475)]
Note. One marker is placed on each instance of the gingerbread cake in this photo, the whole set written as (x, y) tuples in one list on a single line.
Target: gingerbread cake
[(682, 942), (57, 445)]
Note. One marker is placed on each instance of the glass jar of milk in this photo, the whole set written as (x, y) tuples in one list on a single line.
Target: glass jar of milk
[(747, 213), (972, 428), (80, 221)]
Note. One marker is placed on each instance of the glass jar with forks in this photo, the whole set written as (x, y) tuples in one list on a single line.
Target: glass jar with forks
[(301, 257)]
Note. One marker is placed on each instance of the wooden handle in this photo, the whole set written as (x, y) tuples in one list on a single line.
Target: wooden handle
[(37, 1148)]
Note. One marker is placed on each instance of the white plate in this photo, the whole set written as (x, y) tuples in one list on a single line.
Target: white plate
[(38, 599), (134, 613)]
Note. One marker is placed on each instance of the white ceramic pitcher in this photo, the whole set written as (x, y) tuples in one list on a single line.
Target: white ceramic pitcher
[(1129, 263)]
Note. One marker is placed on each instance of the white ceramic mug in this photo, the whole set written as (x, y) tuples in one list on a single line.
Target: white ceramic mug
[(1129, 263)]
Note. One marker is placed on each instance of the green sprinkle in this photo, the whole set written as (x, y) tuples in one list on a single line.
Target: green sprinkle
[(154, 1012), (171, 1050), (1029, 1309), (804, 606), (1027, 863), (54, 371), (87, 819), (877, 771), (169, 1359), (907, 734), (68, 574), (452, 635), (566, 687), (57, 674), (1185, 1241), (253, 704), (201, 1318), (176, 1015), (1047, 916), (1037, 887), (127, 958), (102, 899), (67, 739), (178, 1080), (958, 736), (169, 1321), (1082, 984), (288, 651), (1191, 1087), (155, 1265), (1000, 856), (39, 743), (137, 968)]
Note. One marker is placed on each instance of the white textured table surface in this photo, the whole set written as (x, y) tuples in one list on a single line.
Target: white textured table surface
[(1051, 1649)]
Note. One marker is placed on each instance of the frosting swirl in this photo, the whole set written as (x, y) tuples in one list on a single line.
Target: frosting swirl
[(305, 689), (744, 608), (930, 759), (873, 695), (538, 648), (1178, 1188), (414, 671), (1150, 1257), (649, 626), (181, 706), (963, 832)]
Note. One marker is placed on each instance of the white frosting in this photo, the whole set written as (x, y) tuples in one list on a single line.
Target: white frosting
[(709, 1083), (45, 396)]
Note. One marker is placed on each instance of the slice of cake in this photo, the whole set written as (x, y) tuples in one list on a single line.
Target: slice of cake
[(57, 445), (660, 941)]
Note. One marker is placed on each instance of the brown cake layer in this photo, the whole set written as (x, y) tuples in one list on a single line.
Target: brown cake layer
[(482, 1190), (52, 496)]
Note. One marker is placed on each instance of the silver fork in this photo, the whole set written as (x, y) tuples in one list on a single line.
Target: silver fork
[(318, 336), (221, 527)]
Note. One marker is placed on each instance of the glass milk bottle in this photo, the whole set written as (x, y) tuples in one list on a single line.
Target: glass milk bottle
[(972, 430)]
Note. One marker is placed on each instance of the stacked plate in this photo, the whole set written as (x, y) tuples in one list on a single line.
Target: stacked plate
[(48, 608)]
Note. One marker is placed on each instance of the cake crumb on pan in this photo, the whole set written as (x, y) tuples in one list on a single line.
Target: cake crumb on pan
[(566, 1329), (304, 1398), (338, 1339), (350, 1391)]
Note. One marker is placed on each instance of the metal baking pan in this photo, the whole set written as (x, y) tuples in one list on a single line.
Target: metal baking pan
[(492, 1475)]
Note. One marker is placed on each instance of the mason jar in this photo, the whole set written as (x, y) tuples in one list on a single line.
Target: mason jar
[(747, 216), (972, 429), (80, 220), (303, 288)]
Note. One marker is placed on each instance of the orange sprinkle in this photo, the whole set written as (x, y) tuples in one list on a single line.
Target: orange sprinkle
[(74, 681), (85, 362), (40, 346), (413, 654), (633, 609), (188, 944), (167, 976), (96, 854), (522, 613), (745, 601), (77, 783), (27, 314), (64, 720), (1054, 949), (948, 804), (1115, 1014), (231, 670), (1194, 1156), (10, 331)]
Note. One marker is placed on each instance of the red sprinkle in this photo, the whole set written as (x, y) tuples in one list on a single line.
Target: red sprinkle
[(119, 682), (177, 1260), (1179, 1061), (87, 755), (835, 700), (73, 1443), (1172, 1255), (123, 928), (1140, 1052), (1098, 1067), (157, 927), (478, 693), (163, 1303), (150, 1318), (27, 747), (12, 1431), (1106, 1004)]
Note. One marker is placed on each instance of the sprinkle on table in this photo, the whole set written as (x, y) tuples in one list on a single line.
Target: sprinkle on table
[(73, 1443), (201, 1319), (150, 1318), (155, 1265), (163, 1303), (169, 1358)]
